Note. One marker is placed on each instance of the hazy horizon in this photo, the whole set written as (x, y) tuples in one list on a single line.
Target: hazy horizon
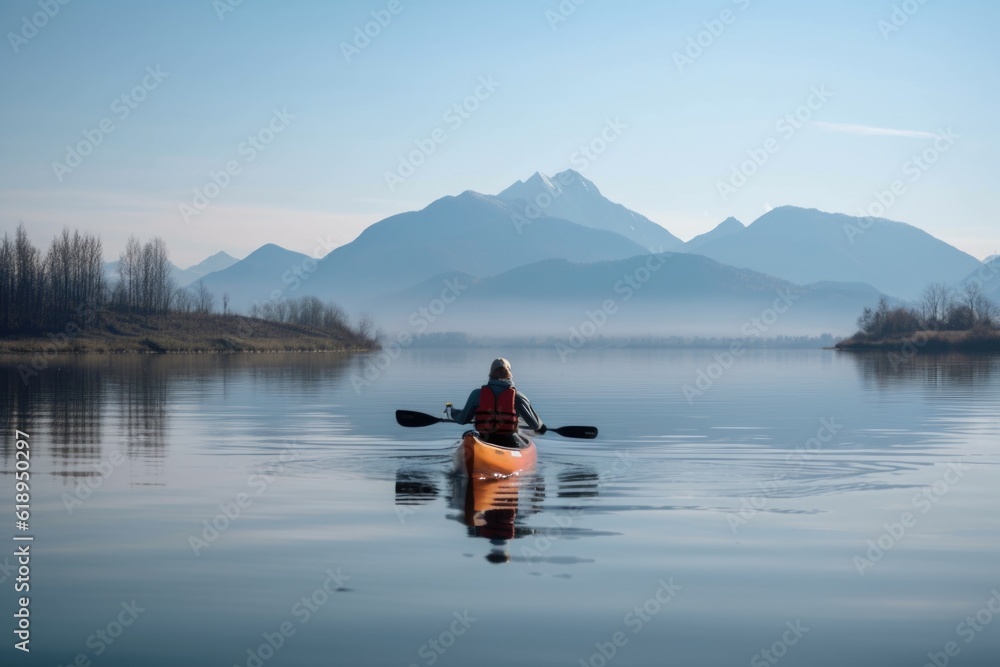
[(314, 116)]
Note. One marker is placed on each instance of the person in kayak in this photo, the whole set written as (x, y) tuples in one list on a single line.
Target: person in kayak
[(495, 407)]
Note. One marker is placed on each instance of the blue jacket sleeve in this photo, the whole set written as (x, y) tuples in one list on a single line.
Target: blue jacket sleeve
[(526, 412), (466, 414)]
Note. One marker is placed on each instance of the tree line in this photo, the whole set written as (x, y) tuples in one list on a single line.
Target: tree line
[(41, 293), (941, 308)]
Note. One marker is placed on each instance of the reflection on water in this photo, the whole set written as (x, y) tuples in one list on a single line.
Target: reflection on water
[(499, 510), (74, 399), (579, 482), (888, 367), (755, 498)]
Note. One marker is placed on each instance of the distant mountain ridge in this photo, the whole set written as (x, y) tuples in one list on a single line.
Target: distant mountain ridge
[(471, 232), (808, 246), (570, 196), (530, 241), (268, 273), (217, 262), (727, 227)]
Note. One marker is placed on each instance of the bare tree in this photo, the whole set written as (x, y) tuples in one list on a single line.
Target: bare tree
[(334, 316), (977, 303), (144, 283), (310, 311), (365, 327), (225, 303), (280, 310), (935, 302), (6, 284), (204, 300), (183, 301), (156, 284), (129, 275), (75, 274), (989, 312), (29, 283), (983, 310)]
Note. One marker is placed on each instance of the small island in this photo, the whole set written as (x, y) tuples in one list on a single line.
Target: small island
[(946, 320), (63, 302)]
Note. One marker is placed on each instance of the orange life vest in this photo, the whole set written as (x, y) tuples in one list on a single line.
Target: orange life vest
[(496, 414)]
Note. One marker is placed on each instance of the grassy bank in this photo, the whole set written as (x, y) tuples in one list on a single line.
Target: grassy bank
[(186, 332), (975, 340)]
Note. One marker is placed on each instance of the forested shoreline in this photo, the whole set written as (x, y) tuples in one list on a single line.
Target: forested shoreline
[(63, 300), (945, 319)]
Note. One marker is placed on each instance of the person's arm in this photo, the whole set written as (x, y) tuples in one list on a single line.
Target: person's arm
[(465, 415), (527, 413)]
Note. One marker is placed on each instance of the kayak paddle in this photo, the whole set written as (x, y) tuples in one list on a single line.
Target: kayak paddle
[(582, 432), (410, 419)]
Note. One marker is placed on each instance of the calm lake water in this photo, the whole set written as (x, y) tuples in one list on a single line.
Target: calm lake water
[(807, 507)]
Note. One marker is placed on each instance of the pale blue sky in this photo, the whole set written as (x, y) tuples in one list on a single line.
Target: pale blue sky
[(323, 175)]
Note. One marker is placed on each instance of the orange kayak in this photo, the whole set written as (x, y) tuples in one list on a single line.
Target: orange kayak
[(477, 459)]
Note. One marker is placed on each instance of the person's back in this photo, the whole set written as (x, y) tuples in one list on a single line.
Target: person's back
[(496, 406)]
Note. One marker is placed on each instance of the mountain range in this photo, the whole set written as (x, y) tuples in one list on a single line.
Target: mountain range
[(544, 250)]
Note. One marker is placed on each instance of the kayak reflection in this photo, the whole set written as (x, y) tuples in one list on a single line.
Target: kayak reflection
[(491, 508), (498, 510)]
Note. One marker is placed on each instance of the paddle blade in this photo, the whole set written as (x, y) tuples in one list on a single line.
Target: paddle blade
[(583, 432), (410, 418)]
